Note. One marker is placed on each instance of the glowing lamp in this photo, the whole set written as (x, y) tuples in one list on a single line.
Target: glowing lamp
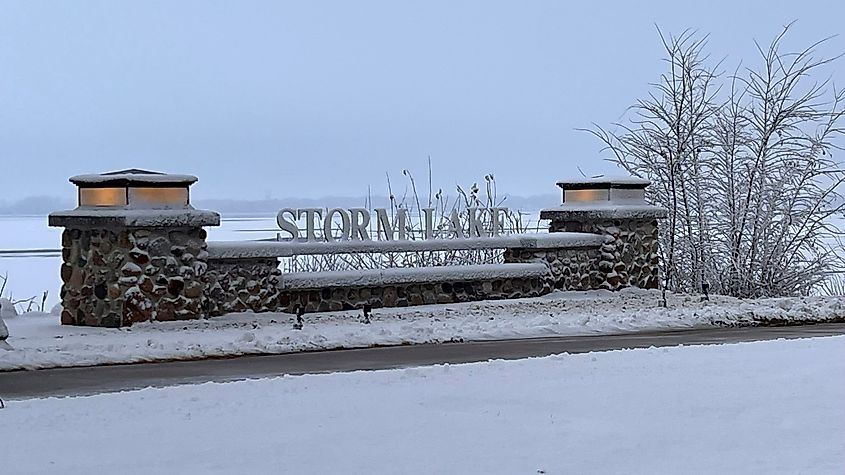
[(137, 189), (603, 191)]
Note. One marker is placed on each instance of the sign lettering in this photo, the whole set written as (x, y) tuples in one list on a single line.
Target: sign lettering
[(338, 224)]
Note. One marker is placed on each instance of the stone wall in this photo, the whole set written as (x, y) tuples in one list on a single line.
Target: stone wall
[(571, 269), (148, 260), (256, 284), (237, 285), (404, 295), (119, 276), (115, 276), (630, 257)]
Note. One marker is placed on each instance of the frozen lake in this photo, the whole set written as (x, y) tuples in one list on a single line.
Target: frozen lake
[(32, 274)]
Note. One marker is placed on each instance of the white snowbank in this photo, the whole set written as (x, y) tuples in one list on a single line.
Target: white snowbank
[(766, 407), (7, 309), (4, 333), (41, 342)]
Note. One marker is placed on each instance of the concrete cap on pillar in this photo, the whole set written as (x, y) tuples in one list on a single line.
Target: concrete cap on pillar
[(135, 197), (603, 197)]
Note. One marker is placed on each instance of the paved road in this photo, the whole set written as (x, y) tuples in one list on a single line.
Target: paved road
[(93, 380)]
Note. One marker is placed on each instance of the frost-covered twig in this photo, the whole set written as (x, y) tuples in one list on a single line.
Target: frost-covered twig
[(744, 164), (513, 221)]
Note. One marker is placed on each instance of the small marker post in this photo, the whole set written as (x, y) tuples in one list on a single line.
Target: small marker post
[(300, 311)]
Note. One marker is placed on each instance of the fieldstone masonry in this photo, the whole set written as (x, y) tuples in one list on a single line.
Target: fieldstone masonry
[(257, 285), (135, 250), (569, 269), (410, 294), (630, 258), (238, 285), (116, 277), (616, 209)]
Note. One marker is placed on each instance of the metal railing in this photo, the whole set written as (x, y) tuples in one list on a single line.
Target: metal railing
[(30, 252)]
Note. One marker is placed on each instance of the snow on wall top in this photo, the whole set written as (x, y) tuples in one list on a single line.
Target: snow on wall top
[(262, 249), (603, 210), (132, 177), (604, 181), (134, 217), (394, 276)]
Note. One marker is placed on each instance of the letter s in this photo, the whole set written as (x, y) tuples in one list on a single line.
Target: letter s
[(287, 225)]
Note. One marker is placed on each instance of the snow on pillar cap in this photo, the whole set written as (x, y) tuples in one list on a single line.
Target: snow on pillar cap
[(132, 177), (603, 197), (135, 197), (604, 189), (134, 188)]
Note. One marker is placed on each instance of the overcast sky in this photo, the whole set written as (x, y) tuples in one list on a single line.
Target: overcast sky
[(317, 98)]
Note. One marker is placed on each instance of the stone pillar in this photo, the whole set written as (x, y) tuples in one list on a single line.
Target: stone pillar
[(133, 250), (616, 208)]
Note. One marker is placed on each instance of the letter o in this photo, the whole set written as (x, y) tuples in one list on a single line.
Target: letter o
[(345, 225)]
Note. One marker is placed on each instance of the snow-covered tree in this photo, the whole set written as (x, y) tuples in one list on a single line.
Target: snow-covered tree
[(744, 164)]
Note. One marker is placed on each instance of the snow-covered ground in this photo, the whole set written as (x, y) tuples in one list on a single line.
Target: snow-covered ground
[(40, 342), (764, 407)]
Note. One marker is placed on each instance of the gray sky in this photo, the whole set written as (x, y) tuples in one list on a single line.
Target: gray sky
[(322, 98)]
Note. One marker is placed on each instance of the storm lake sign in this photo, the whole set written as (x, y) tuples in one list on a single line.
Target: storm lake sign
[(338, 224)]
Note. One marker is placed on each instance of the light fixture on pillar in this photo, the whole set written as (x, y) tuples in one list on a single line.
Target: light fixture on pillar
[(604, 190), (134, 188), (133, 250), (616, 208)]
